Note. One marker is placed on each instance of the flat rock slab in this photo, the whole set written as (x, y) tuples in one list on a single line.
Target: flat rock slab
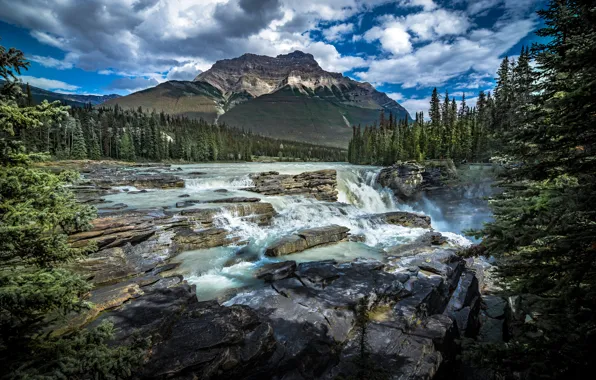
[(307, 238), (321, 184)]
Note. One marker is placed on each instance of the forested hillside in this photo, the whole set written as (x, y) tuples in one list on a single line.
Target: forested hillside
[(455, 131), (139, 135)]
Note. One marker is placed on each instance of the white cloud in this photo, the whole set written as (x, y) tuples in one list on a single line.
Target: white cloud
[(66, 63), (427, 5), (338, 32), (187, 71), (437, 62), (393, 38), (414, 105), (395, 96), (47, 84)]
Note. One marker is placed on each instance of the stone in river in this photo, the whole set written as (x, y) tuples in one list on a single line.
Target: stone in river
[(307, 238), (407, 219), (184, 196), (276, 271)]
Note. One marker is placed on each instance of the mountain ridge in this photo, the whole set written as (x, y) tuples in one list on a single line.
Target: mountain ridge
[(287, 96)]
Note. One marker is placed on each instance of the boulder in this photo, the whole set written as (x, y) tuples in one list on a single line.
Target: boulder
[(321, 184), (405, 179), (307, 238), (276, 271), (406, 219)]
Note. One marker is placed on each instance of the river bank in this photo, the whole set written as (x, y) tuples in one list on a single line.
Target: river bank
[(309, 256)]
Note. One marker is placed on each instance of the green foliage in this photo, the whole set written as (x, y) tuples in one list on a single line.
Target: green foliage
[(82, 355), (37, 212), (137, 135), (544, 233)]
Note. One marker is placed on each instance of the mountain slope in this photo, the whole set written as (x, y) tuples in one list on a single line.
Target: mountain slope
[(288, 96), (40, 94)]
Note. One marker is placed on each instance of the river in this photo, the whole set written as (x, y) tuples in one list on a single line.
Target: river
[(218, 272)]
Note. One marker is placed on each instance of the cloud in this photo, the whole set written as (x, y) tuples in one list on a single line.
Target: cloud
[(395, 96), (393, 37), (338, 32), (414, 105), (188, 71), (131, 84), (47, 84), (428, 44), (65, 64), (427, 5), (439, 61)]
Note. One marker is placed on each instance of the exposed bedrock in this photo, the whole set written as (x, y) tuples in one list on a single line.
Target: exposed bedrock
[(316, 320), (409, 179), (307, 238), (321, 184), (134, 242)]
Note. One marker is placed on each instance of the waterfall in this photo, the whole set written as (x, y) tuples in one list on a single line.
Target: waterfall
[(359, 187)]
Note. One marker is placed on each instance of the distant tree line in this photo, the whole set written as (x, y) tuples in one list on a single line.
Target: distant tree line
[(453, 131), (130, 135)]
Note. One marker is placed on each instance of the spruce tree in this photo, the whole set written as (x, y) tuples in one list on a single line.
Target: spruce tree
[(545, 224), (79, 149), (37, 211)]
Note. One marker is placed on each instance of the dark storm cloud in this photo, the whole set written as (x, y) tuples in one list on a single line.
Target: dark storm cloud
[(141, 5), (116, 34), (245, 17)]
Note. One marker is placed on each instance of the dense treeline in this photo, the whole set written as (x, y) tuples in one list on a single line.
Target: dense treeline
[(544, 232), (132, 135), (454, 130)]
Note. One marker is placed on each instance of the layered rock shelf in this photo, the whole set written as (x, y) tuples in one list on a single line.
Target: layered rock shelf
[(307, 238), (321, 184)]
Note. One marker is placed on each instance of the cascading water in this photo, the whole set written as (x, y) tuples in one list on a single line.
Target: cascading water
[(217, 271)]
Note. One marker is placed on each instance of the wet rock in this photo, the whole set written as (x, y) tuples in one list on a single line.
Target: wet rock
[(307, 238), (276, 271), (257, 212), (187, 239), (322, 315), (321, 184), (409, 180), (405, 179), (358, 238), (117, 206), (184, 196), (235, 200), (220, 191), (406, 219)]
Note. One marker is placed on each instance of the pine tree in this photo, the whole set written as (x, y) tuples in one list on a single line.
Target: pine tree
[(37, 211), (79, 149), (545, 224), (30, 101)]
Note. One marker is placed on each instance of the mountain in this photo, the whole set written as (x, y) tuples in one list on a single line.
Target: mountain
[(40, 94), (289, 96)]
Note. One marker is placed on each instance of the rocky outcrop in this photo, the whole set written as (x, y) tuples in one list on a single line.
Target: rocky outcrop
[(321, 184), (399, 318), (405, 179), (109, 176), (406, 219), (134, 242), (307, 238), (409, 180), (188, 203)]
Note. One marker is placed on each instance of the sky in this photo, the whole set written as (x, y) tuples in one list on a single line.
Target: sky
[(403, 47)]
